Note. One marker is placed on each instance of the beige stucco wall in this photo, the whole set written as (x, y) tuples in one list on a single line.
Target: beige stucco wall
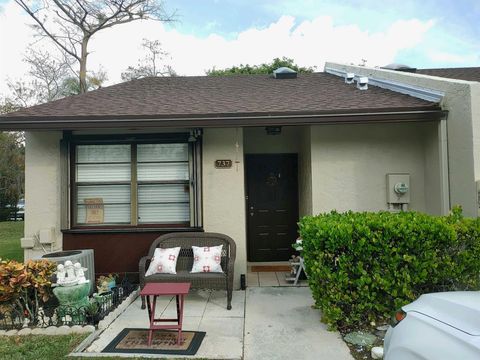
[(350, 163), (305, 173), (475, 102), (42, 187), (433, 201), (341, 167), (462, 127), (223, 191), (256, 140)]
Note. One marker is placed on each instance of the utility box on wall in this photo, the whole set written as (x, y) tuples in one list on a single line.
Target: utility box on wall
[(47, 236), (398, 188)]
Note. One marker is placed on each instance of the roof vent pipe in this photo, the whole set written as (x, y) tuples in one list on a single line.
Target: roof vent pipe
[(284, 73), (362, 83), (399, 67), (349, 77)]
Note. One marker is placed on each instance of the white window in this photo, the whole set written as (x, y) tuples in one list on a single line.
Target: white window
[(135, 184)]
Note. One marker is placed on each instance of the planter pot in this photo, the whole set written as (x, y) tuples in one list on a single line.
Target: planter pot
[(72, 299)]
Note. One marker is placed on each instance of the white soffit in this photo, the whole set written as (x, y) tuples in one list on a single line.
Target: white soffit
[(418, 92)]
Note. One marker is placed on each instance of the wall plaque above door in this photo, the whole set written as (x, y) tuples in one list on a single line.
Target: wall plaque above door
[(223, 164)]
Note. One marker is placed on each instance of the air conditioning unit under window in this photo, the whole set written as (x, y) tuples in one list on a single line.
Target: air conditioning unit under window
[(84, 257)]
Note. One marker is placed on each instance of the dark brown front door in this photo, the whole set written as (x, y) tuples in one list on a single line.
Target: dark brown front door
[(272, 206)]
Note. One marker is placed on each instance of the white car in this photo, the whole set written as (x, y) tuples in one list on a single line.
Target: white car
[(437, 326)]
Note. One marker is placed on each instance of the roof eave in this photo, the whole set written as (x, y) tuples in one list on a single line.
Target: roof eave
[(78, 123)]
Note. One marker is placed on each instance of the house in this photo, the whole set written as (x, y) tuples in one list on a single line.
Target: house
[(243, 155)]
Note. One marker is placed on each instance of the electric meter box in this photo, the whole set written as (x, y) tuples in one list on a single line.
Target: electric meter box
[(398, 188)]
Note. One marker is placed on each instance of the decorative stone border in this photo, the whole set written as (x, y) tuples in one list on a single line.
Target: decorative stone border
[(76, 329), (51, 330)]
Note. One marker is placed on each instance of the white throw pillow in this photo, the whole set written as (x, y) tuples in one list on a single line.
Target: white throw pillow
[(207, 259), (164, 261)]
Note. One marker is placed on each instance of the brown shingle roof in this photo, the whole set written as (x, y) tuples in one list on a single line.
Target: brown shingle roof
[(467, 73), (221, 97)]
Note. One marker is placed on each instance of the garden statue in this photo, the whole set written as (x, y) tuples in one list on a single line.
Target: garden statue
[(70, 270), (71, 290), (80, 273), (60, 274), (66, 275)]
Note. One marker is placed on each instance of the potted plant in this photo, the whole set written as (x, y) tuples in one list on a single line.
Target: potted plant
[(106, 283), (92, 312)]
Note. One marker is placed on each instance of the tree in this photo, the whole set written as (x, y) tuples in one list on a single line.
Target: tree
[(52, 79), (48, 74), (71, 85), (8, 105), (70, 24), (265, 68), (12, 171), (150, 65)]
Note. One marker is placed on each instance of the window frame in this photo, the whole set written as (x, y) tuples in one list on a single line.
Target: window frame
[(194, 183)]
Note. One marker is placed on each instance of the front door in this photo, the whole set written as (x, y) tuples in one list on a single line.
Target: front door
[(272, 206)]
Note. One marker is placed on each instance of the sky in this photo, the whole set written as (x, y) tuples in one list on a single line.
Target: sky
[(223, 33)]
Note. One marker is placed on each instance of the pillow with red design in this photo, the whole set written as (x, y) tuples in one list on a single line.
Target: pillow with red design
[(207, 259), (164, 261)]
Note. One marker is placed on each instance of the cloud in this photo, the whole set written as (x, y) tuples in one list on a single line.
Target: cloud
[(309, 43), (452, 58), (14, 39)]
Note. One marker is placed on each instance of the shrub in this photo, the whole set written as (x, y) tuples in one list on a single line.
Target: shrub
[(26, 286), (361, 266)]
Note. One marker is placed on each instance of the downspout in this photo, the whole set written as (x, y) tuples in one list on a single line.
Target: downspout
[(444, 169)]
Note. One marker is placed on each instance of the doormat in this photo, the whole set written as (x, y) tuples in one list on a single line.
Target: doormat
[(270, 268), (135, 341)]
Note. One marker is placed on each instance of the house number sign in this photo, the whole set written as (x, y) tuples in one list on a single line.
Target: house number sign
[(223, 164)]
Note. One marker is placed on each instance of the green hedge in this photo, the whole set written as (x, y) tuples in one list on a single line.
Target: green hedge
[(363, 266)]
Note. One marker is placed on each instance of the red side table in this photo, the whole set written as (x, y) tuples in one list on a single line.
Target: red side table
[(165, 289)]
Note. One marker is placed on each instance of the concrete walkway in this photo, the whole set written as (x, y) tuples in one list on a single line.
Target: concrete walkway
[(264, 323), (280, 323)]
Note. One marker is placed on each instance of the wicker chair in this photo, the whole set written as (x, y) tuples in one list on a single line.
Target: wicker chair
[(185, 262)]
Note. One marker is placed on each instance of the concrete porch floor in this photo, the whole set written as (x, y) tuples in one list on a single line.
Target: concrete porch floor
[(264, 323), (277, 278), (270, 278)]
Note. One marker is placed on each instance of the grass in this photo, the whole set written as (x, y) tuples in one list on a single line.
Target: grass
[(38, 347), (10, 234)]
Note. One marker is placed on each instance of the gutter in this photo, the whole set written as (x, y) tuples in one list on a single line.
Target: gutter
[(415, 91), (29, 123)]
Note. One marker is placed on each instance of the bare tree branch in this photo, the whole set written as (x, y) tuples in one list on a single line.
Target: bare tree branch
[(70, 24), (151, 64), (52, 36)]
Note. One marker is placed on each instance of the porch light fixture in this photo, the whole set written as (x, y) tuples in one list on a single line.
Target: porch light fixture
[(273, 130), (194, 135)]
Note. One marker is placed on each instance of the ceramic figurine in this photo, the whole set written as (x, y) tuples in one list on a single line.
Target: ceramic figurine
[(80, 273), (60, 274), (70, 270)]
